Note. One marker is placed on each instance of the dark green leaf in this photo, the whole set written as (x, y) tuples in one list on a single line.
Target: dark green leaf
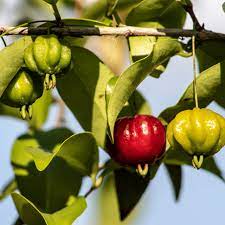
[(18, 222), (223, 6), (209, 53), (107, 208), (175, 174), (8, 189), (83, 90), (58, 175), (209, 83), (31, 215), (11, 60), (129, 187), (179, 157)]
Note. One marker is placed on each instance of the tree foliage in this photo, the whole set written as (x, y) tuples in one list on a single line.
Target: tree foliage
[(50, 165)]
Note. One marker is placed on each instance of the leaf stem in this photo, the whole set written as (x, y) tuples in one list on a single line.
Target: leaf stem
[(57, 14), (195, 73), (3, 40), (90, 191)]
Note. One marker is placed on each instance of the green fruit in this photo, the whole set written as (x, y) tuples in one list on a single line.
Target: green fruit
[(48, 57), (22, 92)]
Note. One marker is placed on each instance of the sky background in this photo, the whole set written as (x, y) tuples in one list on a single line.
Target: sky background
[(203, 195)]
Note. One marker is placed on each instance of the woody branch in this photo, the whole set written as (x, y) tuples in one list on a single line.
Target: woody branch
[(113, 31)]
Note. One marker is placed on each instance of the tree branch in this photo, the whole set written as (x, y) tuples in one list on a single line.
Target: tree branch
[(116, 31), (189, 9)]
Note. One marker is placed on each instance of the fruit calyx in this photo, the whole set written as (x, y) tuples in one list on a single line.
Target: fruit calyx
[(197, 161)]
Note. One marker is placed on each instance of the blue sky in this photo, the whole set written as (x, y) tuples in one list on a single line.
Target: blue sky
[(202, 199)]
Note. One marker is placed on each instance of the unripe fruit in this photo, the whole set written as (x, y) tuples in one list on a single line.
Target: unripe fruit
[(22, 92), (139, 140), (199, 132), (48, 57)]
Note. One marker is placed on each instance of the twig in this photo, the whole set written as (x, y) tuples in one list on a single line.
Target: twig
[(4, 42), (112, 31), (189, 9), (90, 191), (95, 186), (57, 14)]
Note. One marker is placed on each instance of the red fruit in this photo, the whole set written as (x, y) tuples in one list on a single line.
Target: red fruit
[(139, 140)]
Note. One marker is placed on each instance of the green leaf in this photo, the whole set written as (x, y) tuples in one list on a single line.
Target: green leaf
[(31, 215), (209, 83), (209, 53), (83, 91), (179, 157), (223, 6), (40, 110), (59, 175), (175, 174), (157, 13), (135, 105), (130, 187), (141, 47), (135, 74), (111, 6), (160, 69), (10, 187), (11, 60), (9, 111), (79, 151), (99, 8)]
